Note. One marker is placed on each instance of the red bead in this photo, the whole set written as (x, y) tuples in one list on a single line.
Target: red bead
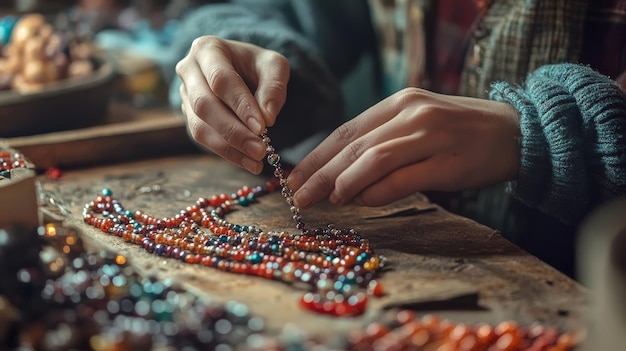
[(54, 173), (374, 288)]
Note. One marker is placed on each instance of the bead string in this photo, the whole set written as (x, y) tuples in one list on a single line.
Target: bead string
[(337, 265), (410, 331)]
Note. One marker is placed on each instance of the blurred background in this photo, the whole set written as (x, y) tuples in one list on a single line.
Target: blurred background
[(132, 35)]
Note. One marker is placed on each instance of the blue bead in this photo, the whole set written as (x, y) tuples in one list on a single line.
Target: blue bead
[(107, 192), (159, 249), (6, 28), (255, 258)]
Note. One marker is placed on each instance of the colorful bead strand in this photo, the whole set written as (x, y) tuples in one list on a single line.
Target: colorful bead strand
[(409, 331), (338, 265)]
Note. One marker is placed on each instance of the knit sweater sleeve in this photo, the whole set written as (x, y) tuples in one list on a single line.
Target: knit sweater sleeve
[(315, 100), (573, 147)]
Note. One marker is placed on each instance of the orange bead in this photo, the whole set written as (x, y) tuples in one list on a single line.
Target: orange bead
[(484, 334), (508, 341), (376, 330), (405, 316), (374, 288)]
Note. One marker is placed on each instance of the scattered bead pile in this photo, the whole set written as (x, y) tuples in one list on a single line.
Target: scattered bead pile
[(54, 295), (407, 331), (337, 264)]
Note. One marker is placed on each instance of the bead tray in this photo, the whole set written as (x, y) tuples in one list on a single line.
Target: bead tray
[(126, 133), (18, 199)]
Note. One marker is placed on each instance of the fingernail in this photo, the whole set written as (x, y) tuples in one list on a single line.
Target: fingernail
[(334, 198), (302, 198), (272, 108), (254, 149), (292, 180), (254, 125), (252, 165)]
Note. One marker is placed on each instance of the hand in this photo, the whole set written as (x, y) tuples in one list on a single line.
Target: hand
[(413, 141), (230, 92)]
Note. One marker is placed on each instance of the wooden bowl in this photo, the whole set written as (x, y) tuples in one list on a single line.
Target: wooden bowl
[(62, 105)]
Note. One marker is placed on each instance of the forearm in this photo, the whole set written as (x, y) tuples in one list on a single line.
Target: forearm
[(573, 147)]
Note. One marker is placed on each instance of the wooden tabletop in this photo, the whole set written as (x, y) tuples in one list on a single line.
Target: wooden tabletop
[(436, 261)]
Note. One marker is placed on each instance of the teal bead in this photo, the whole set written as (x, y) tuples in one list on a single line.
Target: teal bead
[(6, 28), (243, 201), (255, 258)]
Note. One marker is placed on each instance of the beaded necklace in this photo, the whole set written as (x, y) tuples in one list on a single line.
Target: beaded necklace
[(338, 265)]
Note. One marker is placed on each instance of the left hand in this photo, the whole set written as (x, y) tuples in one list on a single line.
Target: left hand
[(414, 140)]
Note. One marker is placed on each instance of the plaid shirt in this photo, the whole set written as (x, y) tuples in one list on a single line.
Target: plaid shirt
[(460, 47), (604, 43)]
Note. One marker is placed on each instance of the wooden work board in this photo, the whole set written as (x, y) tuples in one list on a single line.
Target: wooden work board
[(437, 262)]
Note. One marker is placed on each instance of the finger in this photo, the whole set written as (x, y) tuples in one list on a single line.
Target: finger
[(184, 102), (397, 185), (316, 178), (403, 182), (202, 103), (202, 133), (228, 85), (380, 160), (339, 140), (313, 178), (208, 137), (271, 91)]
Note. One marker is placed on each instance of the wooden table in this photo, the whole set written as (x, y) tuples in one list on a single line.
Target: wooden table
[(436, 261)]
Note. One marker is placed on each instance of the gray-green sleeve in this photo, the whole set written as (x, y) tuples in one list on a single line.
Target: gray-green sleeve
[(297, 30), (573, 147)]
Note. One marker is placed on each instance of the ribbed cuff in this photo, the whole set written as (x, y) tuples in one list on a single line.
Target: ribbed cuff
[(573, 126)]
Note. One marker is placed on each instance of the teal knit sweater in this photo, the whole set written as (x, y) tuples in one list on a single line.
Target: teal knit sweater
[(573, 125)]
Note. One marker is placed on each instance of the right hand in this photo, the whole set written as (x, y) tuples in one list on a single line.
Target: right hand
[(415, 140), (231, 91)]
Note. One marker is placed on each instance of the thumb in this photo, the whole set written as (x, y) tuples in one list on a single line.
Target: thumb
[(271, 93)]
